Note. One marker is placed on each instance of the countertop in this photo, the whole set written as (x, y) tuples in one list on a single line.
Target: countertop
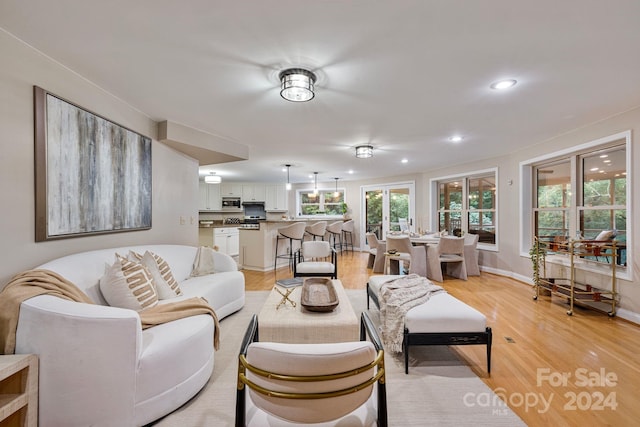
[(220, 225)]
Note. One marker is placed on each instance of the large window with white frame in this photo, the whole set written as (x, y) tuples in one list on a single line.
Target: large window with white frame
[(467, 204), (318, 203), (583, 192)]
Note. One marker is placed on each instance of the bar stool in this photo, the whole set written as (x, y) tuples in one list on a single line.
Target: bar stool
[(347, 234), (335, 234), (291, 232), (317, 230)]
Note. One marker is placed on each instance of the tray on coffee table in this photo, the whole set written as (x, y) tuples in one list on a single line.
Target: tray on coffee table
[(318, 294)]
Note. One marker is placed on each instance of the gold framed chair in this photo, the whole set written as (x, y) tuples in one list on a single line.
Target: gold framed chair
[(294, 384)]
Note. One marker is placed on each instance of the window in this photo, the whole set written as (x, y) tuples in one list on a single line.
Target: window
[(322, 203), (467, 204), (581, 193), (553, 200)]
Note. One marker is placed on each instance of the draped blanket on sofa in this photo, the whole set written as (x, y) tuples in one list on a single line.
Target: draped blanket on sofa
[(32, 283)]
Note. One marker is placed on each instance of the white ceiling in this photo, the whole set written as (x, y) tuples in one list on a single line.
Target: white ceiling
[(400, 75)]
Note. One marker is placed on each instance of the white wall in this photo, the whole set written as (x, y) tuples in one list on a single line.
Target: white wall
[(175, 176)]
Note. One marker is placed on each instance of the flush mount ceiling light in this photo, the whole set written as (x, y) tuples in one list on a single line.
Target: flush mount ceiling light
[(364, 151), (297, 84), (503, 84), (212, 178)]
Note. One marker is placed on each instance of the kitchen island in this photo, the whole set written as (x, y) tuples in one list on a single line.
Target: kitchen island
[(257, 245)]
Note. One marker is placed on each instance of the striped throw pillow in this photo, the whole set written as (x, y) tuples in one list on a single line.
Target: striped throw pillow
[(128, 284), (166, 285)]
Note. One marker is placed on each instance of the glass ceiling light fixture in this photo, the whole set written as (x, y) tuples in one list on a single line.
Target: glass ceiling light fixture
[(336, 193), (364, 151), (315, 185), (503, 84), (297, 84), (288, 182), (212, 178)]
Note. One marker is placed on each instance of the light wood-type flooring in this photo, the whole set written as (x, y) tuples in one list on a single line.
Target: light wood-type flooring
[(552, 369)]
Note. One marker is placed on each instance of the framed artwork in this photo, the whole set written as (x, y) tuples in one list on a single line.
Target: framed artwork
[(92, 176)]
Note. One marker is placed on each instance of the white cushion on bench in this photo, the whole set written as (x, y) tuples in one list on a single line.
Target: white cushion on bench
[(442, 313)]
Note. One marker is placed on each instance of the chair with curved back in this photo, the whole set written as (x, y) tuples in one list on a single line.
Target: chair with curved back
[(451, 257), (317, 230), (416, 256), (316, 259), (292, 233), (297, 384), (377, 248), (347, 234), (471, 254), (335, 235)]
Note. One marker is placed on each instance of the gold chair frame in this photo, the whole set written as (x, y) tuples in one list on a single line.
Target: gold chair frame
[(366, 328)]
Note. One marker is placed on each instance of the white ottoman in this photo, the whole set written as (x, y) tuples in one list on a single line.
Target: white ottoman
[(442, 320)]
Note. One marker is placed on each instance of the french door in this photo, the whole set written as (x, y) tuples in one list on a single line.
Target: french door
[(386, 207)]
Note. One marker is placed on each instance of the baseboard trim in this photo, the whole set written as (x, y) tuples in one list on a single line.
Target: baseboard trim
[(622, 313)]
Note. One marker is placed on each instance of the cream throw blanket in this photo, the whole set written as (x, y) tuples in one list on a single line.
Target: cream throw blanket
[(32, 283), (397, 297)]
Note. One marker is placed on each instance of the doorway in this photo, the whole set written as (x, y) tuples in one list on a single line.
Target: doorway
[(387, 208)]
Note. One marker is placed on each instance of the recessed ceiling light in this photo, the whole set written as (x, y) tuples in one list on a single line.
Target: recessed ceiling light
[(350, 171), (405, 161), (456, 138), (503, 84)]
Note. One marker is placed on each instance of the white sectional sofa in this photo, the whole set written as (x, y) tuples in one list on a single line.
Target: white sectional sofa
[(98, 367)]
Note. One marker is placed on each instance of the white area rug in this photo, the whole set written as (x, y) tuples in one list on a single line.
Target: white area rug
[(439, 390)]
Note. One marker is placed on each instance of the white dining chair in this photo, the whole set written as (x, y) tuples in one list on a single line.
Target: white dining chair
[(471, 254), (415, 256), (451, 257)]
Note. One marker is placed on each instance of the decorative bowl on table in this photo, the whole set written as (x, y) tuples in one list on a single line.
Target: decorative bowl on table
[(318, 294), (392, 251)]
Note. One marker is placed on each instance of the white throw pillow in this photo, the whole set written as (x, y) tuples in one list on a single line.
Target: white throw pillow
[(166, 285), (203, 264), (604, 236), (128, 284)]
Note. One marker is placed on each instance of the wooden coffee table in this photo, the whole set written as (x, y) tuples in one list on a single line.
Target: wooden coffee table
[(289, 324)]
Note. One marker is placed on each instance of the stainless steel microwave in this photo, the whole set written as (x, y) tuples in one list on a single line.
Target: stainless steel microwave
[(231, 203)]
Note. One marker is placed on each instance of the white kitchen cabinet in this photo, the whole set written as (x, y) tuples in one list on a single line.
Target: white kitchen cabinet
[(253, 193), (231, 189), (209, 197), (227, 239), (276, 198)]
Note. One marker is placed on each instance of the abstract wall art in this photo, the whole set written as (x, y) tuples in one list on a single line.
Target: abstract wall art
[(92, 176)]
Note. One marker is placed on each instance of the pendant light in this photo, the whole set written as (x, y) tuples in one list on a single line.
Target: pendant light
[(288, 182), (314, 193), (336, 193), (315, 187)]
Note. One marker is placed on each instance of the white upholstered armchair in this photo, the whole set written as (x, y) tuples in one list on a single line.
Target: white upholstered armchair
[(319, 384), (316, 259)]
